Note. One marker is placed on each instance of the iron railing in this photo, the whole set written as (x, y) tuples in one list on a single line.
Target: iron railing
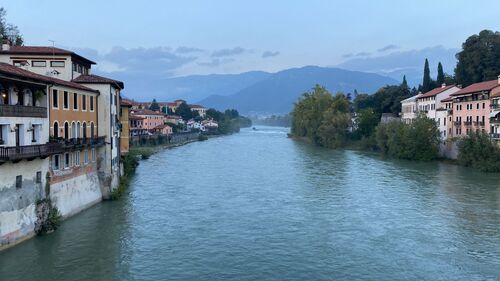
[(7, 110), (17, 153)]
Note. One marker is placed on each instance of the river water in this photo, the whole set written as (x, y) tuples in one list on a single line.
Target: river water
[(259, 206)]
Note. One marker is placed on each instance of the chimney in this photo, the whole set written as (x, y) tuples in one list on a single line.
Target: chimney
[(6, 44), (443, 85)]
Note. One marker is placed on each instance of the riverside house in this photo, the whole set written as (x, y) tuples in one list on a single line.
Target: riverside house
[(409, 108), (472, 109)]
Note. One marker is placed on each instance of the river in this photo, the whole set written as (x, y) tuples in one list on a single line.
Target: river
[(259, 206)]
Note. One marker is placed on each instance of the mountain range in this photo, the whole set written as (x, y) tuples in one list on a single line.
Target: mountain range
[(276, 93)]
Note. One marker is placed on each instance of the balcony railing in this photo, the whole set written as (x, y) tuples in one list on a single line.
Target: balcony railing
[(18, 153), (495, 121), (495, 105), (479, 123), (495, 136), (457, 123), (467, 123), (76, 142), (7, 110)]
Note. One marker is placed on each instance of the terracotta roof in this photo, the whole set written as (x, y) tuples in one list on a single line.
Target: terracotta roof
[(146, 112), (195, 106), (173, 116), (9, 69), (448, 99), (478, 87), (96, 79), (43, 50), (135, 117), (435, 92), (125, 102)]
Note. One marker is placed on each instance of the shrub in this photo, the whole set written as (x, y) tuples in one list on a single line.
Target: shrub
[(476, 150)]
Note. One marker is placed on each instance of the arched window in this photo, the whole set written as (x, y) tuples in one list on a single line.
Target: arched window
[(73, 130), (56, 130), (92, 134), (78, 134), (84, 128), (66, 130)]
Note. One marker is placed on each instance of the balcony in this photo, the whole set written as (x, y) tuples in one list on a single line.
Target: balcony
[(495, 105), (7, 110), (479, 123), (468, 123), (29, 152), (495, 121), (495, 136), (457, 123), (74, 143)]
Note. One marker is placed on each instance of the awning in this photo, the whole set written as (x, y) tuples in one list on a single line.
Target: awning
[(494, 114)]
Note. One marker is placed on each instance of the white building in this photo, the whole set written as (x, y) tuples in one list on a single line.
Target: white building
[(429, 102), (409, 108), (109, 126)]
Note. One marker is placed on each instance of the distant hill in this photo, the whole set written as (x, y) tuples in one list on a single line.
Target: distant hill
[(277, 93), (192, 88)]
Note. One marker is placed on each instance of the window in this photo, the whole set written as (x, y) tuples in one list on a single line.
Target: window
[(67, 160), (86, 156), (20, 63), (57, 63), (55, 162), (55, 99), (66, 100), (39, 177), (39, 63), (4, 134), (483, 105), (19, 181), (91, 103), (84, 102), (77, 158), (74, 67), (93, 155), (75, 101)]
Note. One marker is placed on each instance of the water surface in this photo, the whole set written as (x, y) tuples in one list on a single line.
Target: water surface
[(259, 206)]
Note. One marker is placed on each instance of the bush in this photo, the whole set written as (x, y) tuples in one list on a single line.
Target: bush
[(476, 150), (416, 141)]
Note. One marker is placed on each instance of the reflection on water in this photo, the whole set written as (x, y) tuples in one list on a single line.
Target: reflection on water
[(259, 206)]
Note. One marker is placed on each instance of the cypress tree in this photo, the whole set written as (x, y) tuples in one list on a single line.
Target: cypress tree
[(404, 84), (426, 83), (440, 76)]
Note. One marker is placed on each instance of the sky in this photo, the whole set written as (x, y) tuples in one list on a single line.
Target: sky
[(178, 38)]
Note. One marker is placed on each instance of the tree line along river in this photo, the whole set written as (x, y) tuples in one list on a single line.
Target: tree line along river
[(259, 206)]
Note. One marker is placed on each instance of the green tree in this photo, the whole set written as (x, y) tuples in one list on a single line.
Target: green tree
[(416, 141), (440, 76), (336, 121), (479, 59), (154, 106), (427, 82), (8, 30), (366, 122), (404, 84), (184, 111), (476, 150), (308, 113), (164, 109)]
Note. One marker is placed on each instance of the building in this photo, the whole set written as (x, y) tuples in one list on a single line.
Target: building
[(495, 110), (109, 126), (162, 130), (48, 61), (173, 119), (430, 101), (202, 112), (409, 108), (24, 148), (149, 119), (471, 112), (125, 106), (136, 125)]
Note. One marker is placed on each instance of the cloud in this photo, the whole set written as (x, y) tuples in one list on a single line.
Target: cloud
[(348, 55), (409, 63), (187, 50), (228, 52), (268, 54), (388, 48), (360, 54), (216, 62)]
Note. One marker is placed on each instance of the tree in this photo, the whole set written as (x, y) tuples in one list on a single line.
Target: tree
[(164, 109), (333, 131), (366, 121), (308, 113), (476, 150), (479, 59), (416, 141), (8, 30), (440, 76), (184, 111), (426, 83), (154, 106), (404, 84)]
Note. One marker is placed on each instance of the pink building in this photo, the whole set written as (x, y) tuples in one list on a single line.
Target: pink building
[(471, 107), (151, 119)]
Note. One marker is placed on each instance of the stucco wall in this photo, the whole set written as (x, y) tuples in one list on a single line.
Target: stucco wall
[(76, 192), (17, 205)]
